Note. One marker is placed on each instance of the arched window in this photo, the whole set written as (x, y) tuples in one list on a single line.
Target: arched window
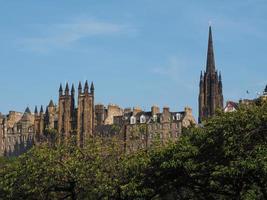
[(132, 120), (142, 119)]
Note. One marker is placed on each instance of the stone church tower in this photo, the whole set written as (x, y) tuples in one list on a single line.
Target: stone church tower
[(86, 113), (210, 86), (66, 112)]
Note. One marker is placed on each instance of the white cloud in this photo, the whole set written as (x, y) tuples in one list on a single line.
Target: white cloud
[(65, 34)]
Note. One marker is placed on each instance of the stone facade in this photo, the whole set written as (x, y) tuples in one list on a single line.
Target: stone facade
[(16, 132), (66, 118), (19, 131), (105, 116), (210, 86), (85, 113), (139, 129)]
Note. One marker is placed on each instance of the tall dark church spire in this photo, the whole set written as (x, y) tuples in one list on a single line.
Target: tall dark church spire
[(210, 67), (210, 87)]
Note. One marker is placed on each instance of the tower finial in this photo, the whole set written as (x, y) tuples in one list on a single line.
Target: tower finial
[(210, 67), (86, 87), (80, 87), (210, 23), (51, 103), (92, 88), (60, 90), (67, 89), (35, 110), (72, 90), (41, 110)]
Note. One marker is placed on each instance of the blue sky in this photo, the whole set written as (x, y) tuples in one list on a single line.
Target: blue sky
[(138, 53)]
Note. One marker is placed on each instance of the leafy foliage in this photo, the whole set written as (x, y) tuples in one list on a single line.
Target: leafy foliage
[(224, 159), (227, 159)]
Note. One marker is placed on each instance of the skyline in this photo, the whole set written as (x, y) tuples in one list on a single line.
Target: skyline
[(146, 54)]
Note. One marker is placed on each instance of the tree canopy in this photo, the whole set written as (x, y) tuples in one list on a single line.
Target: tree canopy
[(226, 158)]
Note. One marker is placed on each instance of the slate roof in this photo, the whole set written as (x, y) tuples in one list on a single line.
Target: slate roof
[(51, 103), (27, 110)]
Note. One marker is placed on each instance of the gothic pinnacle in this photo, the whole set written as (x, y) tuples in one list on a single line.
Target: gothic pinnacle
[(60, 89), (86, 87), (72, 89), (210, 67), (41, 109), (35, 110), (92, 87), (80, 87), (67, 88)]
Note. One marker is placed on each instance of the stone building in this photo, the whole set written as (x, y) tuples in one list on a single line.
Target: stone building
[(210, 86), (230, 106), (139, 129), (85, 113), (135, 128), (16, 132), (105, 116), (68, 119), (233, 106)]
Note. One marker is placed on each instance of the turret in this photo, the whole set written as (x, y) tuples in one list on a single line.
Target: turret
[(92, 88), (72, 90), (86, 87), (51, 103), (60, 91), (27, 110), (35, 111), (41, 110), (80, 88), (67, 89), (46, 111)]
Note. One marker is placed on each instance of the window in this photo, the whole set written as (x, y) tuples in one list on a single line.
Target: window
[(132, 120), (154, 118), (142, 119), (178, 116)]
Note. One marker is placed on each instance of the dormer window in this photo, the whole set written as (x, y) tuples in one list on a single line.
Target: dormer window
[(178, 116), (142, 119), (132, 120), (154, 118)]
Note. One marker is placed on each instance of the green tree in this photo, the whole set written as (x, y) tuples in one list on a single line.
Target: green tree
[(63, 172), (226, 159)]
